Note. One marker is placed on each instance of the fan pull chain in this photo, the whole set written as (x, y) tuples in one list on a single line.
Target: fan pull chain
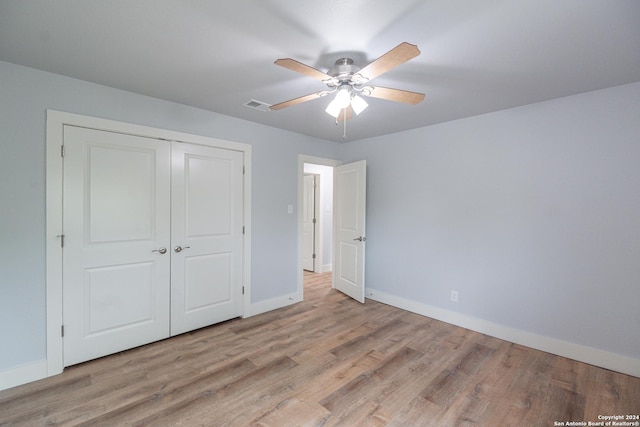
[(344, 128), (344, 131)]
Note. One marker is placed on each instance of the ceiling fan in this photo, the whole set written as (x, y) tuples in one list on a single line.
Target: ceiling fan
[(349, 81)]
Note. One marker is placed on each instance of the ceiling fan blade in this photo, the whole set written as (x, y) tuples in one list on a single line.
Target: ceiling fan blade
[(299, 100), (301, 68), (396, 95), (396, 56), (345, 114)]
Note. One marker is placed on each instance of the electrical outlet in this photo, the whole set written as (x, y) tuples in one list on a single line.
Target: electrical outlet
[(454, 296)]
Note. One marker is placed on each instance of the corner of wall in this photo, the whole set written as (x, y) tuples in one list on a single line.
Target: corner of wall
[(272, 304)]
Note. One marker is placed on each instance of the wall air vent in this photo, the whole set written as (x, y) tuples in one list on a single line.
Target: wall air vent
[(257, 105)]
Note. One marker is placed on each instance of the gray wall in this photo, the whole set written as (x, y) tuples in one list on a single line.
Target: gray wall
[(25, 94), (532, 214)]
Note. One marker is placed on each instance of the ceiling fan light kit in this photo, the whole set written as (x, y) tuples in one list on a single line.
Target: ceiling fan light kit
[(358, 104), (343, 97), (333, 109), (346, 97), (348, 81)]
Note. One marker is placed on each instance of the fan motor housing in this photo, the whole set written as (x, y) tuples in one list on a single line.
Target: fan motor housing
[(343, 69)]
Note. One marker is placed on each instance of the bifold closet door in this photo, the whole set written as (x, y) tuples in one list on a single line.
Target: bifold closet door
[(206, 236), (116, 254), (153, 240)]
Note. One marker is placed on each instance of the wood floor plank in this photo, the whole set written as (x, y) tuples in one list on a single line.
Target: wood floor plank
[(217, 395), (181, 393), (366, 341), (357, 391), (293, 412), (452, 379), (327, 361)]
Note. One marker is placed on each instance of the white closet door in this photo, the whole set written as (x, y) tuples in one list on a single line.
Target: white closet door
[(116, 222), (206, 236)]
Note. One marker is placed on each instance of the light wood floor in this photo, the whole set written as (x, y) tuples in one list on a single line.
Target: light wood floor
[(323, 362)]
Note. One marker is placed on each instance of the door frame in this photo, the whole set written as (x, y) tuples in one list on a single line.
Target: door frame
[(55, 122), (302, 159)]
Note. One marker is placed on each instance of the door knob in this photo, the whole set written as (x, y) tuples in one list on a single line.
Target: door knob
[(161, 250), (361, 239), (180, 248)]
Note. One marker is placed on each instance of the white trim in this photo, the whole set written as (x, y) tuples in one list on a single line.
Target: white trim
[(581, 353), (54, 190), (302, 159), (54, 142), (23, 374), (273, 304), (247, 233), (326, 268)]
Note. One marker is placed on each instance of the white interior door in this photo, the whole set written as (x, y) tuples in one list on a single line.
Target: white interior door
[(206, 236), (309, 222), (349, 224), (116, 226)]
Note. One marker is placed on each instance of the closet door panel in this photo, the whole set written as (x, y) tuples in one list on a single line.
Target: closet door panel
[(206, 273), (116, 219)]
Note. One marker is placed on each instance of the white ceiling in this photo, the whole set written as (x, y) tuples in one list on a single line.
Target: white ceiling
[(477, 56)]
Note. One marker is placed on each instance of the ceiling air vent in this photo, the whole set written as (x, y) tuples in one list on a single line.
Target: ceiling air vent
[(257, 105)]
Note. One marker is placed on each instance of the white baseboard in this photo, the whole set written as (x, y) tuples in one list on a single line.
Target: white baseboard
[(23, 374), (581, 353), (326, 268), (272, 304)]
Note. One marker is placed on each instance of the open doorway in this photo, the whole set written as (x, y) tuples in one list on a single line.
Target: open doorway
[(315, 202), (346, 208), (317, 218)]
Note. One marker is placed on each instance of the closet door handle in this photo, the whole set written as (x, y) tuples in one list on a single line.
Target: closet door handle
[(180, 248), (161, 251)]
